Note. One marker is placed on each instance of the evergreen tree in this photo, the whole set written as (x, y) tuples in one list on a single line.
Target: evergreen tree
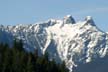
[(63, 67), (29, 66), (16, 59)]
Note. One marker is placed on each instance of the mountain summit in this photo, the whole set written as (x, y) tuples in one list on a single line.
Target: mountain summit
[(89, 20), (68, 19), (74, 42)]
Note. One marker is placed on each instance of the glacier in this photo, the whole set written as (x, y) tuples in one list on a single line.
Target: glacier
[(64, 39)]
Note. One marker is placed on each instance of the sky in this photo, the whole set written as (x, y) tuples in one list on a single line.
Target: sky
[(14, 12)]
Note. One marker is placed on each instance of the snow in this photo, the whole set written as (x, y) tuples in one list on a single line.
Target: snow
[(65, 39), (68, 20), (88, 18)]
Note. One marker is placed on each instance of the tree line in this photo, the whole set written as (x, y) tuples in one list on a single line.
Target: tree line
[(16, 59)]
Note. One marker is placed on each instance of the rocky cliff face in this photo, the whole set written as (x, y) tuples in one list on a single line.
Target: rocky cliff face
[(64, 40)]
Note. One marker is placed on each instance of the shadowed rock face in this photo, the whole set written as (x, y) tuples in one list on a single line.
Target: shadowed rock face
[(68, 20), (74, 42), (90, 20), (98, 65)]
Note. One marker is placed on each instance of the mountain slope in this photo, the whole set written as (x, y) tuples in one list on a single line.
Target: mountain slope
[(64, 40)]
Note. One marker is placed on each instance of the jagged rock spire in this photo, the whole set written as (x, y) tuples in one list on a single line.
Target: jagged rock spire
[(68, 19), (89, 20)]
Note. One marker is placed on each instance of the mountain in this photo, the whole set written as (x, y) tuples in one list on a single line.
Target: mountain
[(64, 40)]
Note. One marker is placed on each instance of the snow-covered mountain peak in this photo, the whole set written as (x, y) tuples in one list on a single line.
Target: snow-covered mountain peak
[(64, 40), (68, 19), (90, 20)]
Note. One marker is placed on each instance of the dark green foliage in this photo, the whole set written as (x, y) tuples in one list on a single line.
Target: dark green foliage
[(18, 45), (16, 59), (63, 67)]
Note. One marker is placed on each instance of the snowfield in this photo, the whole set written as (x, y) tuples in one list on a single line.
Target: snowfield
[(64, 40)]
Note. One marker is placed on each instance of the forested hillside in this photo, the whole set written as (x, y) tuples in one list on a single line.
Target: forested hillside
[(16, 59)]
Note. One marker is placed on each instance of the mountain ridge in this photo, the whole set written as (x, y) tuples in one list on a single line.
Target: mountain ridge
[(64, 40)]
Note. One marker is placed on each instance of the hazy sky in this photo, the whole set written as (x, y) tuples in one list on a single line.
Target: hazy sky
[(14, 12)]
